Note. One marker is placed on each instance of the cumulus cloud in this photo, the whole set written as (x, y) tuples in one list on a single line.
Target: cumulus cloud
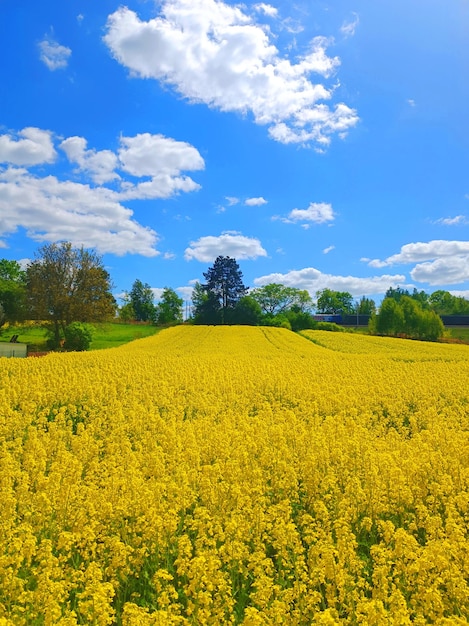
[(215, 53), (152, 155), (231, 244), (328, 249), (444, 271), (51, 209), (313, 280), (53, 54), (231, 200), (100, 165), (30, 146), (255, 201), (415, 252), (316, 213), (158, 159), (439, 262)]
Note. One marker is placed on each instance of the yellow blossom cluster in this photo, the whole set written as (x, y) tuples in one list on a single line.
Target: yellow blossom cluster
[(236, 475)]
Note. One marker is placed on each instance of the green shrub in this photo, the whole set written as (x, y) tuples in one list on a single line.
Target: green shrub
[(78, 336), (329, 326)]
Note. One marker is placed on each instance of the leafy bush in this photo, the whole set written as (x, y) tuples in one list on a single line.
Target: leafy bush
[(279, 321), (406, 318), (78, 336), (329, 326)]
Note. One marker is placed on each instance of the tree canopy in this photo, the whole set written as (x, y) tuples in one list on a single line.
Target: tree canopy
[(406, 317), (216, 300), (141, 297), (169, 308), (66, 284), (276, 298), (444, 303), (12, 292), (334, 302)]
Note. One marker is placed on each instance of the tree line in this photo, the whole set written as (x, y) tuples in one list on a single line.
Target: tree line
[(66, 288)]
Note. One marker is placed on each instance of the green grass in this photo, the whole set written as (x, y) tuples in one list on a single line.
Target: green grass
[(459, 332), (113, 335), (108, 335)]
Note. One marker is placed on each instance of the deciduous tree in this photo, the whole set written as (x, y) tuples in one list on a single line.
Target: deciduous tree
[(12, 292), (141, 297), (66, 284), (276, 298), (334, 302), (169, 309)]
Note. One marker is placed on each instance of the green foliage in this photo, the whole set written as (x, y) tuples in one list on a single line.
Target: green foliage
[(126, 312), (105, 335), (206, 309), (276, 298), (406, 317), (444, 303), (247, 311), (65, 285), (141, 298), (331, 326), (169, 309), (215, 301), (334, 302), (300, 320), (279, 321), (398, 293), (12, 292), (366, 306), (78, 336)]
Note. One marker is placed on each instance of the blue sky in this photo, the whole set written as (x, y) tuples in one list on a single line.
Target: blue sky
[(321, 144)]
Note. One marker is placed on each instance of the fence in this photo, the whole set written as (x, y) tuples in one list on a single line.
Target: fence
[(13, 349)]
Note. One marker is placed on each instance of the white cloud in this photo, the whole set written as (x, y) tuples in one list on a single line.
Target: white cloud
[(444, 271), (231, 200), (152, 155), (159, 159), (266, 9), (255, 201), (349, 27), (235, 245), (411, 102), (460, 293), (31, 146), (317, 213), (328, 249), (162, 159), (51, 209), (452, 221), (100, 165), (415, 252), (53, 54), (214, 53), (157, 292), (313, 280), (439, 262), (185, 292)]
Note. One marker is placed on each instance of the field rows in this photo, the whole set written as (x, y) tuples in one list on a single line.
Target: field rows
[(236, 475)]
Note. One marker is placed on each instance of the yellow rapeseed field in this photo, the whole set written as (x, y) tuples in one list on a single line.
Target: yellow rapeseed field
[(236, 475)]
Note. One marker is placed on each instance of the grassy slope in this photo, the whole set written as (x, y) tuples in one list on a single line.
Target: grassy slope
[(108, 335)]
